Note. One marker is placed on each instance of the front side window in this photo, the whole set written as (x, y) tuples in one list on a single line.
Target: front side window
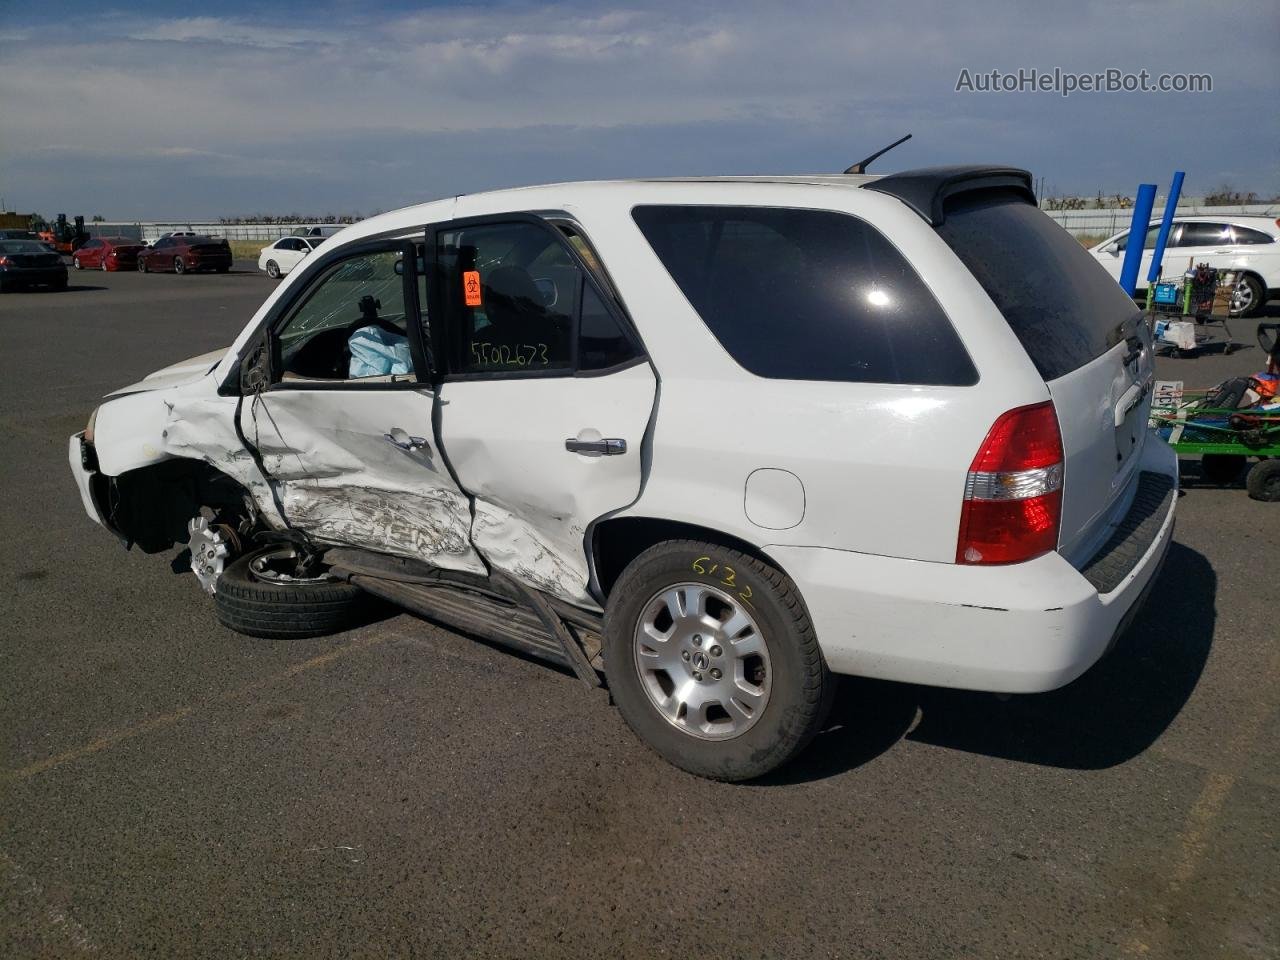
[(1148, 243), (807, 294), (350, 323)]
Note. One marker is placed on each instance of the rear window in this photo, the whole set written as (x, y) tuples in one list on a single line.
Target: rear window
[(807, 295), (1064, 307)]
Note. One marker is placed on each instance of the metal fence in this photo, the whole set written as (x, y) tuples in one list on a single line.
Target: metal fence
[(1111, 220), (150, 230), (1099, 223)]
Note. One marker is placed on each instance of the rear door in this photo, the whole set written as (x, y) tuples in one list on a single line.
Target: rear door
[(547, 397), (1085, 337)]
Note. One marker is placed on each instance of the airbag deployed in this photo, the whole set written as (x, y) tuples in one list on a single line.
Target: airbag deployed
[(376, 352)]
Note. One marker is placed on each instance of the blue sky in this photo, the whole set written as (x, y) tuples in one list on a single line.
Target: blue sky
[(154, 110)]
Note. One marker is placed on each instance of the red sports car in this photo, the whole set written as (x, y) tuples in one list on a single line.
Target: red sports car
[(108, 253), (183, 254)]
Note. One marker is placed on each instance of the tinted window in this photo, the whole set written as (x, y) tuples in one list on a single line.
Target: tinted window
[(1204, 235), (806, 295), (1060, 302), (511, 294), (601, 342), (1245, 235)]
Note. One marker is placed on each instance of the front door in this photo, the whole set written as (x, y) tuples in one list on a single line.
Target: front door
[(547, 394), (344, 427)]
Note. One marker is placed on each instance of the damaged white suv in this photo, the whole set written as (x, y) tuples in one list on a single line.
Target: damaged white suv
[(708, 441)]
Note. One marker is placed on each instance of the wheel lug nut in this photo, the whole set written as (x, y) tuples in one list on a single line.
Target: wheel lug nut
[(697, 675), (697, 640), (716, 651), (716, 674), (685, 654)]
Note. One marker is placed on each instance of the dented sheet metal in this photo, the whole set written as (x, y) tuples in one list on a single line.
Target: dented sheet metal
[(427, 525), (343, 479), (525, 547)]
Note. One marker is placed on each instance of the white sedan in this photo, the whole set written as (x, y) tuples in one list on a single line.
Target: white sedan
[(285, 254)]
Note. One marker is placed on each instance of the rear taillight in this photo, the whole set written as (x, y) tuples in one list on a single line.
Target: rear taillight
[(5, 262), (1013, 492)]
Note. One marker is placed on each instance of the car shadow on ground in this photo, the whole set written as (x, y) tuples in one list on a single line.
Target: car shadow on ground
[(1109, 715)]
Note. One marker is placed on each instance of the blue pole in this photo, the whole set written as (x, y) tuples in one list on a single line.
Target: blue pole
[(1157, 255), (1137, 237)]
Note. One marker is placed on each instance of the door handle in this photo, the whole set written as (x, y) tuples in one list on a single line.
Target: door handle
[(401, 439), (610, 447)]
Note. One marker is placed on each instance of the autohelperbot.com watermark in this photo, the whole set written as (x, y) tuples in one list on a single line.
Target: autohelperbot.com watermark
[(1066, 82)]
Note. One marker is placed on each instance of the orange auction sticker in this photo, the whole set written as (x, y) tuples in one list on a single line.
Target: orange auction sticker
[(471, 287)]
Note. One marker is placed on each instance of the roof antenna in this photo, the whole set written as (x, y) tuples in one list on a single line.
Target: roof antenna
[(861, 165)]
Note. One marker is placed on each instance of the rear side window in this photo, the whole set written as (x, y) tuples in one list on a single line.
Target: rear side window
[(1246, 235), (807, 295), (1063, 306)]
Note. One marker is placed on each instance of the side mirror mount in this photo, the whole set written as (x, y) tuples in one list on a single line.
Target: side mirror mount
[(255, 368), (1113, 249)]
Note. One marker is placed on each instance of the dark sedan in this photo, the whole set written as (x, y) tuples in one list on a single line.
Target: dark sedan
[(108, 253), (26, 263), (183, 254)]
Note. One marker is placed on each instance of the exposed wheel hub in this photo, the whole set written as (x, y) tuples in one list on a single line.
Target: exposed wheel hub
[(210, 548)]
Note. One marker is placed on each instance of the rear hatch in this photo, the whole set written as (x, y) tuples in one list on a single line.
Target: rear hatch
[(1085, 337)]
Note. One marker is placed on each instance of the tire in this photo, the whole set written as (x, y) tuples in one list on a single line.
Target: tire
[(104, 264), (726, 585), (1249, 298), (142, 265), (273, 270), (1221, 468), (178, 266), (1263, 482), (75, 262), (286, 610)]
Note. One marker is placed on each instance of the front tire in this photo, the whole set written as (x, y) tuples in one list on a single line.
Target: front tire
[(142, 265), (75, 262), (1249, 297), (713, 661), (258, 596)]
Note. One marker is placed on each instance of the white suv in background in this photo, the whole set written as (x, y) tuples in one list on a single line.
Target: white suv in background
[(708, 441), (1248, 244)]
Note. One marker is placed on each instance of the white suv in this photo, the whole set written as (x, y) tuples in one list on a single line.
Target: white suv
[(708, 441), (1250, 245)]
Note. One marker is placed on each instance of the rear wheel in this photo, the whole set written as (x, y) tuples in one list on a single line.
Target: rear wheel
[(1263, 482), (179, 266), (1221, 468), (713, 661), (75, 262), (262, 594), (273, 270)]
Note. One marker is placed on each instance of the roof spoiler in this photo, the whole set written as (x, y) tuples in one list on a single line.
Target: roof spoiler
[(927, 190)]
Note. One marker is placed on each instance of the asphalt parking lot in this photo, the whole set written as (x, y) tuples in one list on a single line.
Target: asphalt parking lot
[(169, 788)]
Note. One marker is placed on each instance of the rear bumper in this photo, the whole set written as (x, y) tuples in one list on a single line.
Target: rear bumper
[(36, 275), (1023, 628)]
